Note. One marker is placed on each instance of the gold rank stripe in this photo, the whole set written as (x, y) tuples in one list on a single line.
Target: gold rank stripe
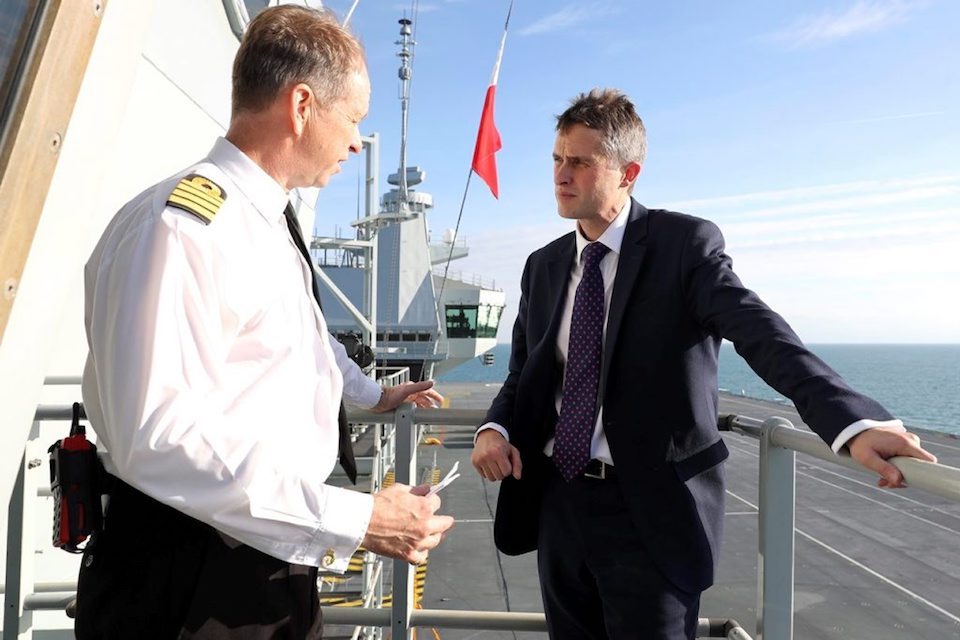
[(198, 195), (205, 193), (187, 204), (200, 201)]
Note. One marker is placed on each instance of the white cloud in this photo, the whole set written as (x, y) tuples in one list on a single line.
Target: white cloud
[(810, 194), (867, 213), (901, 116), (866, 203), (822, 255), (567, 17), (865, 16), (896, 290), (844, 234)]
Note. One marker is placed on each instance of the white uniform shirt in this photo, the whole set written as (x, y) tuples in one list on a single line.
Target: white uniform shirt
[(612, 237), (212, 380)]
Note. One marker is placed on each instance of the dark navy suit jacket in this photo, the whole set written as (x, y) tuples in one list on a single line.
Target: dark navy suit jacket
[(674, 297)]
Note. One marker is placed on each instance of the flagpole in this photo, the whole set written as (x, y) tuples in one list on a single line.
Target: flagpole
[(353, 8), (456, 232), (482, 139)]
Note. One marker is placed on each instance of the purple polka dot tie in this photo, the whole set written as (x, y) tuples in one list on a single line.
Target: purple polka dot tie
[(578, 404)]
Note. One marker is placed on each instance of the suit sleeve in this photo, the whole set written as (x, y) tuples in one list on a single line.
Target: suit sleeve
[(720, 302)]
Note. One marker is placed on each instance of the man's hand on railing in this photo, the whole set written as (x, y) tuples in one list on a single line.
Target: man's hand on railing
[(404, 524), (421, 394), (494, 458), (872, 447)]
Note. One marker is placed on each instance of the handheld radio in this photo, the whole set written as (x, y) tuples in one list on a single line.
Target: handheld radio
[(74, 481)]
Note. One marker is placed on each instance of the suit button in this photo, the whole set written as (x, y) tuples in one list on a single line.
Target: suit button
[(328, 559)]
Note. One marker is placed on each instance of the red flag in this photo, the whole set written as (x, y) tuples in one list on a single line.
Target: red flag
[(488, 138), (488, 143)]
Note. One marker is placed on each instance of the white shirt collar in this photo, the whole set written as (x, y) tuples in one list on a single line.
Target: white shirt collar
[(263, 192), (612, 236)]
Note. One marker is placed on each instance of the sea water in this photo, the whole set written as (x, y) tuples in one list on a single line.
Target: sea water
[(919, 384)]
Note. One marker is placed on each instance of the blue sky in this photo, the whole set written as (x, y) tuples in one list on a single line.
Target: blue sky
[(822, 137)]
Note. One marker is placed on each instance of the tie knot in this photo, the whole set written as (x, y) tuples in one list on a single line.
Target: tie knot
[(593, 253)]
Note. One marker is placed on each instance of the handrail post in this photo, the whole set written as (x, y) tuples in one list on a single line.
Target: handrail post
[(776, 535), (405, 473)]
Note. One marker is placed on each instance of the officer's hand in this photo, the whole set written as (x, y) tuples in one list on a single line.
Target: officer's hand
[(872, 447), (421, 394), (404, 524), (494, 458)]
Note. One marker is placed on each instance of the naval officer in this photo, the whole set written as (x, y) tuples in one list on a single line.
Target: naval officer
[(212, 380)]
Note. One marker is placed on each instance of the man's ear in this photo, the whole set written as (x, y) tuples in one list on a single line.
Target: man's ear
[(300, 101), (630, 172)]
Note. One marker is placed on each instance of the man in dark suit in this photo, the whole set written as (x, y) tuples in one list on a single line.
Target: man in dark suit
[(604, 432)]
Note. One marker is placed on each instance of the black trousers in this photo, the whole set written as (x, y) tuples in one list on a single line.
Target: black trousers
[(155, 573), (596, 578)]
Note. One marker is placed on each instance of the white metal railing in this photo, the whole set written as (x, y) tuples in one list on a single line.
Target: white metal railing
[(779, 441), (401, 617), (392, 376), (467, 278)]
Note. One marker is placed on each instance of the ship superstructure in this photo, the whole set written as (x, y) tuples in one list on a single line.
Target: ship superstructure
[(384, 277)]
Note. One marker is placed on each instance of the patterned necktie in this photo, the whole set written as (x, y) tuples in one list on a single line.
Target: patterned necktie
[(347, 460), (578, 404)]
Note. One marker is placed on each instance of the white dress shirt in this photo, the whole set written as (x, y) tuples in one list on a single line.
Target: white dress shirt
[(612, 237), (212, 380)]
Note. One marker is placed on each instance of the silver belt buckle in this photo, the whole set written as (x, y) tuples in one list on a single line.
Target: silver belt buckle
[(598, 476)]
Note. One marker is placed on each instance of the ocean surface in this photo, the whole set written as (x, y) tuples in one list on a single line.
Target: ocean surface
[(920, 384)]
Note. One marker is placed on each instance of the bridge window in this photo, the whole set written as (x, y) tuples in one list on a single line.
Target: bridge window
[(488, 319), (461, 321), (473, 321)]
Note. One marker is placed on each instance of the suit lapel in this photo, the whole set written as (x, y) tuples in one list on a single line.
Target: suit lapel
[(632, 252), (559, 266)]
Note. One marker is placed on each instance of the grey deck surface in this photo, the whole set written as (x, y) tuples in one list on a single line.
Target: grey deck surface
[(870, 563)]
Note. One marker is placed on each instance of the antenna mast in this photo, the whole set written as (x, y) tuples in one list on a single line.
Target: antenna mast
[(405, 73)]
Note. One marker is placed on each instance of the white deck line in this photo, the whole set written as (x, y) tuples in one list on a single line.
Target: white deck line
[(882, 504), (928, 443), (889, 492), (882, 578), (743, 500), (885, 579)]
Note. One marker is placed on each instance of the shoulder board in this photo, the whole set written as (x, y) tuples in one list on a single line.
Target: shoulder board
[(198, 195)]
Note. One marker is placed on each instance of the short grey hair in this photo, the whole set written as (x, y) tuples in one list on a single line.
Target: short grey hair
[(289, 44), (610, 112)]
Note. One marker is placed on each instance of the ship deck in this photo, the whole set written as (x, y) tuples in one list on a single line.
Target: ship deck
[(870, 563)]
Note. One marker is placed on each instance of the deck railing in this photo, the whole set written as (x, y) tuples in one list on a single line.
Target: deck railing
[(779, 442)]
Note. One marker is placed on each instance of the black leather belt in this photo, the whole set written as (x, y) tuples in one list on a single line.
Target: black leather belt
[(599, 470)]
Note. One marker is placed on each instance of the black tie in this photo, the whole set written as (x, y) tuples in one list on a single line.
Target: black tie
[(347, 460)]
